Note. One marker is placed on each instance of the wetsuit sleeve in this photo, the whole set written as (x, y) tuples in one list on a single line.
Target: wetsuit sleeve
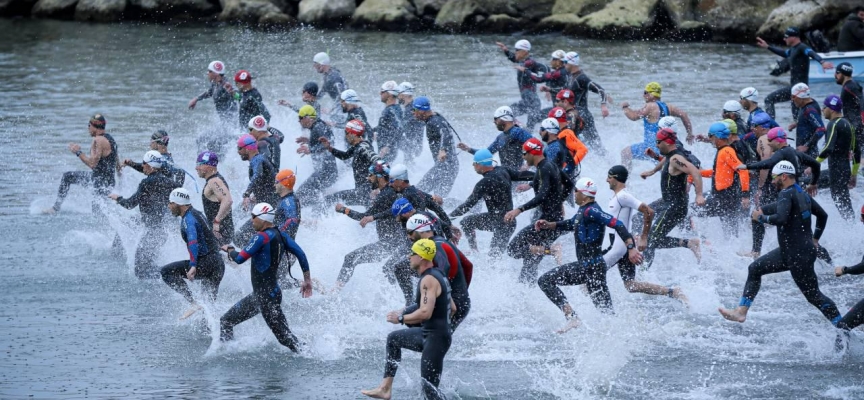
[(778, 51), (521, 176), (830, 141), (132, 201), (766, 164), (706, 173), (467, 268), (856, 269), (778, 212), (207, 94), (813, 55), (472, 200), (510, 56), (292, 247), (494, 147), (815, 120), (599, 216), (192, 240), (544, 189), (343, 155), (594, 87), (253, 247), (137, 166), (291, 218), (434, 207), (568, 225), (815, 168), (257, 171), (452, 260), (821, 218)]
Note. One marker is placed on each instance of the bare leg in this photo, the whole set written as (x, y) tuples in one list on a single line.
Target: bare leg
[(693, 245), (739, 314), (383, 391)]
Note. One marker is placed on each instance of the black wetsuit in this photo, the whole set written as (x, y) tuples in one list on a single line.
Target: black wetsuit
[(529, 103), (389, 131), (509, 146), (413, 131), (799, 61), (581, 84), (839, 142), (333, 84), (670, 211), (797, 252), (362, 155), (555, 79), (261, 178), (440, 178), (226, 108), (588, 224), (457, 269), (100, 178), (178, 174), (549, 195), (432, 339), (211, 210), (265, 250), (391, 239), (769, 192), (203, 256), (495, 190), (151, 198), (358, 114), (325, 173), (855, 316), (251, 104), (270, 147), (853, 109)]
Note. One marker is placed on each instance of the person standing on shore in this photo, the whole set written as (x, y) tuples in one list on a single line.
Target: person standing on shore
[(852, 32), (526, 66), (798, 55)]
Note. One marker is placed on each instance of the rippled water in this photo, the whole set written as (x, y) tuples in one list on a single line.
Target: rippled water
[(77, 323)]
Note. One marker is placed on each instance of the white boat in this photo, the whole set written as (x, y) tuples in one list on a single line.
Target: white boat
[(820, 75)]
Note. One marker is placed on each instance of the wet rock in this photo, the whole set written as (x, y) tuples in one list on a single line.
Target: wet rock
[(502, 23), (15, 8), (578, 7), (806, 15), (735, 20), (626, 19), (390, 15), (277, 20), (100, 10), (166, 10), (463, 15), (326, 13), (59, 9), (428, 8), (247, 11)]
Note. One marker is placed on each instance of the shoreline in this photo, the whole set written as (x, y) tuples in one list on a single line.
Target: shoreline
[(732, 21)]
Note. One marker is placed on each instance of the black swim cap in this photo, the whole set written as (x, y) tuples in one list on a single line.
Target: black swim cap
[(844, 68), (160, 136), (619, 173), (311, 88), (792, 31)]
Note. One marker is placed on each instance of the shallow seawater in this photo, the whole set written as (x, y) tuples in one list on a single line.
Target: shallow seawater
[(76, 323)]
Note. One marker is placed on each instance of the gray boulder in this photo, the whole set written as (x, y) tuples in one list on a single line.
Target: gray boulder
[(14, 8), (626, 19), (246, 11), (806, 15), (578, 7), (100, 10), (58, 9), (461, 15), (164, 10), (326, 12), (428, 7), (390, 15)]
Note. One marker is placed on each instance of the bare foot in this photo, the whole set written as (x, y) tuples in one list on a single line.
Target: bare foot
[(49, 211), (191, 311), (377, 393), (678, 294), (732, 315), (748, 254), (573, 323), (693, 245)]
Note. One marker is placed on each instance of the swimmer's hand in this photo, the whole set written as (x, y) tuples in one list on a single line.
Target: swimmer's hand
[(191, 274), (306, 286)]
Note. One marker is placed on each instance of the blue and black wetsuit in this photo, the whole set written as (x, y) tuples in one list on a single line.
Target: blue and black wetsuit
[(810, 128), (791, 213), (588, 224), (265, 250), (432, 339), (509, 144), (799, 62), (203, 256), (151, 198)]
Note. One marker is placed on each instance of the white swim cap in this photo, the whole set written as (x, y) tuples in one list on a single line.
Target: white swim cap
[(667, 122), (801, 91), (732, 106), (783, 167), (321, 58), (180, 196), (550, 125), (153, 158), (504, 113), (418, 223), (390, 87), (350, 96), (258, 123), (750, 94), (586, 186), (523, 45), (406, 87), (399, 171), (264, 211), (217, 67)]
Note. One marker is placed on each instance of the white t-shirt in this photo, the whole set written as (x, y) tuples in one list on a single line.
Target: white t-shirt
[(623, 206)]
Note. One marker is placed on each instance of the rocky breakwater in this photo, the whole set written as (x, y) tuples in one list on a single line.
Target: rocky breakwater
[(686, 20)]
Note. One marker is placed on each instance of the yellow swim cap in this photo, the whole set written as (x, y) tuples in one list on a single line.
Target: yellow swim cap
[(654, 89), (733, 127), (307, 111), (425, 248)]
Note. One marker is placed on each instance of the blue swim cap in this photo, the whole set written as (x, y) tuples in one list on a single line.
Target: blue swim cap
[(761, 118), (401, 206), (483, 157), (422, 103), (720, 130)]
